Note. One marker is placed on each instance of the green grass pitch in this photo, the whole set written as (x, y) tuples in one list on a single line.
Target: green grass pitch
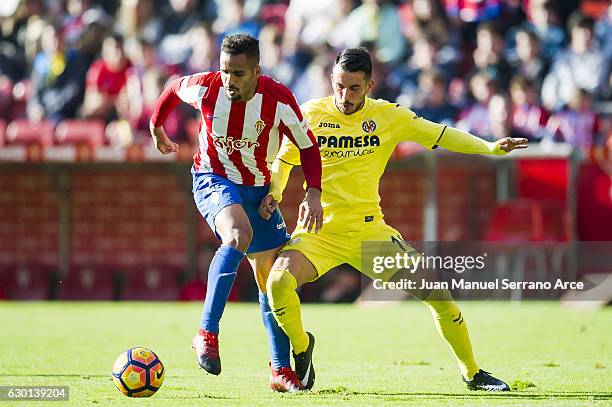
[(364, 356)]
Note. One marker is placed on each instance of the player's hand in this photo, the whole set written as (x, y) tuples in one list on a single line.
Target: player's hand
[(162, 143), (508, 144), (267, 206), (311, 212)]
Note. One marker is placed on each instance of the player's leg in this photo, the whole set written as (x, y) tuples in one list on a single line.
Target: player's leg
[(291, 270), (233, 227), (452, 327), (269, 236), (220, 203), (447, 316), (306, 257), (278, 342), (282, 376)]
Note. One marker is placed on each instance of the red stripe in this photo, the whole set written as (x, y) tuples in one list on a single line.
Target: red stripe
[(268, 113), (235, 125), (208, 109), (284, 131)]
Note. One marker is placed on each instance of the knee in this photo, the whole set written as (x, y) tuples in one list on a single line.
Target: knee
[(239, 237), (279, 280)]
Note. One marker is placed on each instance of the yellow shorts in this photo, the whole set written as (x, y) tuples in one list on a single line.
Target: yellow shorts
[(328, 250)]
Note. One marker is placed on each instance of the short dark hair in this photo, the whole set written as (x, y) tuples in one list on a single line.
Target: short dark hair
[(237, 44), (580, 20), (355, 60), (115, 36)]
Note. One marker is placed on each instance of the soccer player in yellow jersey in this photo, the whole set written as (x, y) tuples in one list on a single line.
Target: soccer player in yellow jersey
[(356, 136)]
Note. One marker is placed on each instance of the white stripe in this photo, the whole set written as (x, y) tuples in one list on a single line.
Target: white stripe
[(219, 129), (275, 136), (204, 158), (191, 94), (273, 146), (297, 128), (249, 133)]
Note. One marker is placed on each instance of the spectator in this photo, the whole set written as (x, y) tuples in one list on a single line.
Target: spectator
[(473, 11), (474, 118), (235, 20), (203, 56), (489, 53), (73, 24), (272, 62), (378, 23), (581, 65), (421, 16), (528, 61), (138, 19), (313, 24), (314, 81), (58, 78), (23, 31), (433, 103), (545, 23), (500, 118), (603, 32), (106, 78), (180, 17), (97, 24), (528, 116), (602, 153), (577, 125), (427, 54), (131, 103), (135, 106)]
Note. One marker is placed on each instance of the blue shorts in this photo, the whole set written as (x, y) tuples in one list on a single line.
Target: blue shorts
[(213, 192)]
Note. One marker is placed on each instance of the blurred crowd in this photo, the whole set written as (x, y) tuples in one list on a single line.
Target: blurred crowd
[(528, 68)]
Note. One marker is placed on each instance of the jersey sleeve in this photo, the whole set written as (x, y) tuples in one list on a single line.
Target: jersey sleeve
[(288, 152), (412, 127), (294, 125), (93, 75), (189, 89)]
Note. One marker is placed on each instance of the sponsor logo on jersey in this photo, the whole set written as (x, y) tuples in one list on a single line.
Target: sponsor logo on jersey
[(230, 145), (369, 126), (347, 146), (348, 141), (329, 125)]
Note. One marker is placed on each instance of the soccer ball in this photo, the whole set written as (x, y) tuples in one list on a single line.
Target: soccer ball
[(138, 372)]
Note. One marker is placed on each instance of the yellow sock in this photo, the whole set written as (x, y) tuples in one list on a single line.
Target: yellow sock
[(285, 305), (451, 326)]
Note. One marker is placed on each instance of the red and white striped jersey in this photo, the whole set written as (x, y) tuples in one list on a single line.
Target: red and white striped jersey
[(239, 140)]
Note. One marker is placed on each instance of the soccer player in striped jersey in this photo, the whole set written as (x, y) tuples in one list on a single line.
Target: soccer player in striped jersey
[(244, 118), (356, 137)]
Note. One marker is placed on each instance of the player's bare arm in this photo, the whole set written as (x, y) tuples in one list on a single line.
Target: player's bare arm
[(162, 142)]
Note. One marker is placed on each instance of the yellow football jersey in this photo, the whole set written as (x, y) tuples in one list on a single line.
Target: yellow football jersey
[(354, 152)]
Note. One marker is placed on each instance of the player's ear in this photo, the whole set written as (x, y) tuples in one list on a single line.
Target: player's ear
[(369, 85), (257, 71)]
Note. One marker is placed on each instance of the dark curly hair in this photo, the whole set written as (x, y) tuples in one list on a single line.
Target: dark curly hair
[(237, 44)]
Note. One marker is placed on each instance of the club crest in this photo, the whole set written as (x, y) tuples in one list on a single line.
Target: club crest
[(260, 125), (368, 126)]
